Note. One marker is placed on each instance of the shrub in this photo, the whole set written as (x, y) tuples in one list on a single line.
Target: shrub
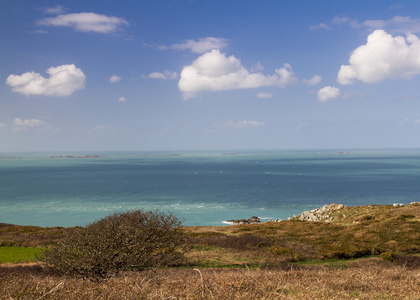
[(388, 256), (344, 250), (132, 240), (285, 252), (238, 242)]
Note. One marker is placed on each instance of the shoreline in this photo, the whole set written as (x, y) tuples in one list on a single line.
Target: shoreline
[(327, 213)]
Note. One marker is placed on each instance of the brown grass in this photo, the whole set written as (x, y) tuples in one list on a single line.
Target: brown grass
[(363, 279), (30, 236), (363, 231)]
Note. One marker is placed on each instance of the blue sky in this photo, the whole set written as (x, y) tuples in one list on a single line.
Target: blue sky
[(209, 75)]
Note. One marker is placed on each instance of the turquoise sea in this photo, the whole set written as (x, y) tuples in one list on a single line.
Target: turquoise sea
[(203, 188)]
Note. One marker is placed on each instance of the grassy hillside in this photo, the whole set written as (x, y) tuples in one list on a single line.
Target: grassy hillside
[(364, 252)]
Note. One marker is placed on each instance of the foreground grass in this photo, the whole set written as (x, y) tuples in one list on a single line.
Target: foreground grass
[(371, 278)]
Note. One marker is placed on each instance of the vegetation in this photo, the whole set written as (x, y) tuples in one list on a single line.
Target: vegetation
[(366, 252), (126, 241), (371, 278), (18, 254), (388, 229)]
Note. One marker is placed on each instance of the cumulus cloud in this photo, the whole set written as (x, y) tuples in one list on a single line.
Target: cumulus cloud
[(243, 124), (63, 81), (122, 99), (382, 57), (327, 93), (316, 79), (200, 46), (165, 75), (264, 95), (85, 22), (114, 78), (214, 71)]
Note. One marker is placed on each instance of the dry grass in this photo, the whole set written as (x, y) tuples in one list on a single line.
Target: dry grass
[(30, 236), (252, 262), (363, 279), (357, 231)]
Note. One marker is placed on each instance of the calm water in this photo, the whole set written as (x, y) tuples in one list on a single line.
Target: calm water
[(202, 188)]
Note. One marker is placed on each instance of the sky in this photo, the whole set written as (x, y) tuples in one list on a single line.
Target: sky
[(162, 75)]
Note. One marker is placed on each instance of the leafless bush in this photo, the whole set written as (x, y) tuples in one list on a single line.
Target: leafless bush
[(132, 240)]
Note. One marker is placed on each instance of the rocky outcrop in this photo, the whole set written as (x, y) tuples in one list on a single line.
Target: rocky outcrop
[(319, 214), (252, 220)]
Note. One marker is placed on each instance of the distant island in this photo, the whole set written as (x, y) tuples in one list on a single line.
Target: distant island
[(342, 152), (71, 156)]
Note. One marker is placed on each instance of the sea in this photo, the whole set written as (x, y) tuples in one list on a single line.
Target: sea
[(202, 188)]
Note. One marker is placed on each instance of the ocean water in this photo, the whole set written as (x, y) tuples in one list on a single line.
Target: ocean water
[(202, 188)]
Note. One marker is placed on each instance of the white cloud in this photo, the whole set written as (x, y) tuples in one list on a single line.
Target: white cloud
[(264, 95), (409, 121), (63, 81), (165, 75), (382, 57), (28, 122), (337, 21), (396, 24), (340, 20), (38, 31), (85, 22), (243, 124), (257, 67), (328, 93), (202, 45), (375, 23), (56, 10), (396, 6), (320, 26), (214, 71), (401, 24), (2, 125), (405, 121), (101, 128), (345, 20), (316, 79), (122, 99), (25, 124), (114, 78)]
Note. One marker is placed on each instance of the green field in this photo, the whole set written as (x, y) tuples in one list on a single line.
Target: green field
[(18, 254)]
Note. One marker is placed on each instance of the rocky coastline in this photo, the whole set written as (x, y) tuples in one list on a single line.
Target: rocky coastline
[(252, 220), (320, 214), (325, 214)]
